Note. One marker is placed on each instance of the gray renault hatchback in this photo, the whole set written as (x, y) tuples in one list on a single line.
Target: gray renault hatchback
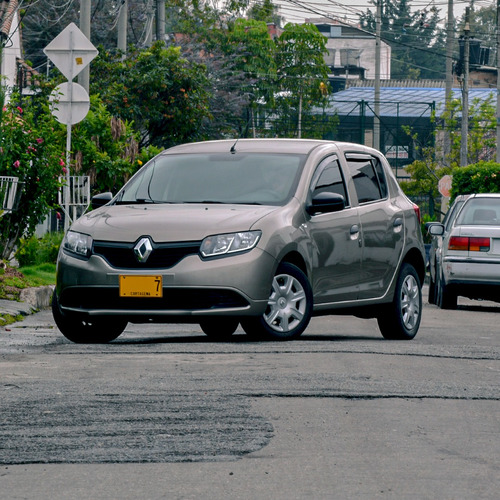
[(262, 233)]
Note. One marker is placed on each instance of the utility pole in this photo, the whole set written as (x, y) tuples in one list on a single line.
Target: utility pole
[(376, 112), (449, 80), (498, 81), (465, 93), (84, 76), (122, 29), (160, 19)]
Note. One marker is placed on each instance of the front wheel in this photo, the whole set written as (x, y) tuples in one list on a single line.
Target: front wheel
[(89, 330), (400, 319), (289, 308), (218, 328)]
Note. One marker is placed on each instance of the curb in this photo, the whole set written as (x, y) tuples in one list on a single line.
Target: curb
[(31, 300)]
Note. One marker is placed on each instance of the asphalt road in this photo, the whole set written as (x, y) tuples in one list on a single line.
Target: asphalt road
[(163, 412)]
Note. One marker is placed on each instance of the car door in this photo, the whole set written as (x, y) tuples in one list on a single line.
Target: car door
[(382, 225), (335, 240)]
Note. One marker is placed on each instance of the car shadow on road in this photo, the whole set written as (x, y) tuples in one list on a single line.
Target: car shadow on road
[(489, 309), (243, 339)]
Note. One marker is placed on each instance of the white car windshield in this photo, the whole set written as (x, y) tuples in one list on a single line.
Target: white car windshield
[(242, 178)]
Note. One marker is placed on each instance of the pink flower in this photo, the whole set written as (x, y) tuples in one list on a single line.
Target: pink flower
[(61, 162), (58, 216), (20, 109), (65, 170), (17, 164), (39, 140)]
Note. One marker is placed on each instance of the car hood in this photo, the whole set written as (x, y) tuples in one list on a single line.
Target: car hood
[(164, 223)]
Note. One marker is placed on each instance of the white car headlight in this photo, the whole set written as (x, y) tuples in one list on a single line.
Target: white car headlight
[(221, 244), (78, 243)]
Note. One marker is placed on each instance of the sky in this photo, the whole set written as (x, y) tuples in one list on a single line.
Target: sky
[(296, 11)]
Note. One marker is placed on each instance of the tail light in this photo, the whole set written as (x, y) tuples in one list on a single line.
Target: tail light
[(416, 208), (466, 244)]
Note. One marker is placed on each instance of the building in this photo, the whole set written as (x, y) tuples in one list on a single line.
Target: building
[(351, 53), (410, 108)]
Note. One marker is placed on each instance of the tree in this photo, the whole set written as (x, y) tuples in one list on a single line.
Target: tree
[(161, 93), (250, 52), (43, 21), (301, 67), (106, 149), (30, 149), (481, 141), (417, 42)]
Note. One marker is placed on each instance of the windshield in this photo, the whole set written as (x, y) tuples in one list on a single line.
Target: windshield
[(243, 178), (480, 212)]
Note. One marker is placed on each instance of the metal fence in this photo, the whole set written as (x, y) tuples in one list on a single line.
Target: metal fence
[(9, 193)]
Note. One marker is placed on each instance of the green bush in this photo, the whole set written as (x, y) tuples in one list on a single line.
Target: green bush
[(35, 251), (482, 177)]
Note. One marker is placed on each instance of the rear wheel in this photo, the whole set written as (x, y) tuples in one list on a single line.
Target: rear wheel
[(445, 297), (89, 330), (400, 320), (289, 307), (218, 328)]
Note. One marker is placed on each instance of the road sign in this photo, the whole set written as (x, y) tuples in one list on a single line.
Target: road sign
[(444, 185), (71, 51), (69, 103)]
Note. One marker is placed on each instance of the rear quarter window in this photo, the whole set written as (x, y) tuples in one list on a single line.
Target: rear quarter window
[(368, 176)]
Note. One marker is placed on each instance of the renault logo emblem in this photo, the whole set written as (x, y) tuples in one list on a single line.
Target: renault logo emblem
[(143, 249)]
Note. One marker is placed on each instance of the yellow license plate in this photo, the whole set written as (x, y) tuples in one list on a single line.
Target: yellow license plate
[(141, 286)]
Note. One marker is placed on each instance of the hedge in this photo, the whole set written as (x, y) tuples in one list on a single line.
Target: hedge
[(482, 177)]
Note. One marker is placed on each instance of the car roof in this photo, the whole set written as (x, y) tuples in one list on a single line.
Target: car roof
[(293, 146), (485, 195)]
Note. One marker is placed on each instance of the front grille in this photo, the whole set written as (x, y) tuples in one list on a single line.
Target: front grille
[(163, 256), (173, 299)]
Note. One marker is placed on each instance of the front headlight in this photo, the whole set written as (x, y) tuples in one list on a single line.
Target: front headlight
[(221, 244), (77, 243)]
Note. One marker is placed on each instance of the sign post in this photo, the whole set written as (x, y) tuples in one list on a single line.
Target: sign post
[(71, 51)]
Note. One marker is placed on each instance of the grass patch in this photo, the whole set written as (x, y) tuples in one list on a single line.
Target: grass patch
[(12, 280), (40, 275), (8, 319)]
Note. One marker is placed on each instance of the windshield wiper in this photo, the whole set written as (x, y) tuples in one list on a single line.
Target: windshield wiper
[(207, 202), (142, 201)]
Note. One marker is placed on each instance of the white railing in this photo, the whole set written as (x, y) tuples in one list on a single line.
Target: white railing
[(9, 194), (74, 195)]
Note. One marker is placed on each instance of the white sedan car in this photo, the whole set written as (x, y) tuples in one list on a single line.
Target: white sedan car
[(469, 262)]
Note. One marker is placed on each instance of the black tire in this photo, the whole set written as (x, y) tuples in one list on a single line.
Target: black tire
[(87, 330), (400, 319), (445, 297), (289, 308), (432, 291), (218, 328)]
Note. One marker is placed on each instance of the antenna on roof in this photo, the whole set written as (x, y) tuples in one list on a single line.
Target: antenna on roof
[(233, 147)]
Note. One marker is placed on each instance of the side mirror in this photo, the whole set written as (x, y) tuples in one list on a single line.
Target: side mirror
[(326, 202), (435, 229), (99, 200)]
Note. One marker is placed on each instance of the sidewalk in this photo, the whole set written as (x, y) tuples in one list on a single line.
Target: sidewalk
[(32, 299)]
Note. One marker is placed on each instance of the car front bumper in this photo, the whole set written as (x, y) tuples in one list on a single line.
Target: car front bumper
[(237, 285)]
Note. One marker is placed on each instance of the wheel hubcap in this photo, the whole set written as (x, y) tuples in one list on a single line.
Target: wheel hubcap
[(410, 302), (287, 304)]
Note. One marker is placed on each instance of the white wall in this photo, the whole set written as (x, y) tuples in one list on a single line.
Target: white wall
[(9, 54), (367, 56)]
